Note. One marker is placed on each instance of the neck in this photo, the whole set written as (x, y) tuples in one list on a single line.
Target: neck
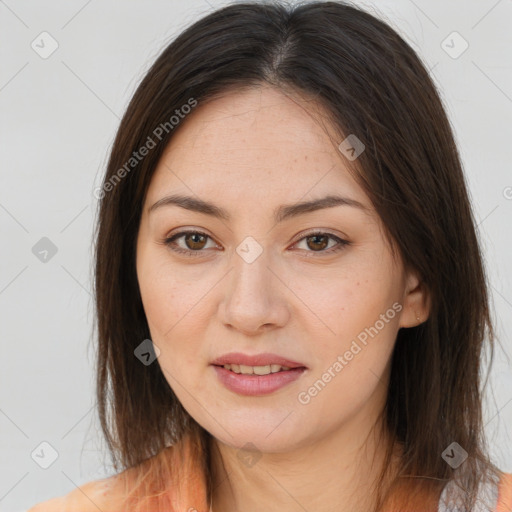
[(337, 472)]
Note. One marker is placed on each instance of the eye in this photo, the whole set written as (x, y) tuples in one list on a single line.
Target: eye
[(196, 241), (319, 240)]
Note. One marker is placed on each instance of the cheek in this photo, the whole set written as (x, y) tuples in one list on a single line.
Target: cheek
[(167, 296), (176, 317), (348, 303), (172, 331), (361, 313), (165, 306), (351, 365)]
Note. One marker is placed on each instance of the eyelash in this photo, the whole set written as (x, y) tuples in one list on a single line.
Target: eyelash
[(170, 242)]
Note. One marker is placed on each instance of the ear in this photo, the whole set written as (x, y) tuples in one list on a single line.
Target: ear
[(416, 301)]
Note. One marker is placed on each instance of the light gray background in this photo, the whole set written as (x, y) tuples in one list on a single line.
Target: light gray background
[(58, 120)]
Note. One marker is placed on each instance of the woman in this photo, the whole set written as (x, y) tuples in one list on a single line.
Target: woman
[(291, 299)]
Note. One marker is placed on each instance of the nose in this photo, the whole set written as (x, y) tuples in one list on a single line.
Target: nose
[(255, 297)]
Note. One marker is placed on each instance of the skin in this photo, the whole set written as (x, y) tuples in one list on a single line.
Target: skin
[(250, 152)]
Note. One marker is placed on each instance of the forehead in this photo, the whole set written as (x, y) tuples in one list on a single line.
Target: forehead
[(255, 142)]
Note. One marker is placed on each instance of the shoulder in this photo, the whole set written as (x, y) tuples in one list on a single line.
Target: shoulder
[(89, 497), (505, 493), (496, 496), (51, 505)]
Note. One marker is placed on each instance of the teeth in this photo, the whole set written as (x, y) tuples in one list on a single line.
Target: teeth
[(249, 370), (256, 370)]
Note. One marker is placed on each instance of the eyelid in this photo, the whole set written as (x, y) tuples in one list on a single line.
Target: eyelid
[(179, 234), (341, 242), (319, 231)]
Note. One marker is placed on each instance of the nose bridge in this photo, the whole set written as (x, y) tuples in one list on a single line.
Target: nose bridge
[(250, 275), (252, 298)]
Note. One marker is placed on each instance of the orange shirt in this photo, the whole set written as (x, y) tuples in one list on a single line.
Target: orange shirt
[(191, 494), (186, 482), (505, 494)]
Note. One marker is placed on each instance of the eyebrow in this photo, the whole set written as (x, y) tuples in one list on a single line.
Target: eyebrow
[(281, 213)]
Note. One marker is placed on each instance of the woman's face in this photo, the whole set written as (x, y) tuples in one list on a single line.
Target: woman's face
[(263, 277)]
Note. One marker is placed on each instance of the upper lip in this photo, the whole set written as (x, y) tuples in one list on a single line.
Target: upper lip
[(256, 360)]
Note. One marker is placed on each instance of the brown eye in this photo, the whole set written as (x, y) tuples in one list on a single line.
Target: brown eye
[(317, 242), (190, 243), (195, 241)]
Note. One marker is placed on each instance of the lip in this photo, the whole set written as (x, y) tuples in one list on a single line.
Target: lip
[(256, 385), (255, 360)]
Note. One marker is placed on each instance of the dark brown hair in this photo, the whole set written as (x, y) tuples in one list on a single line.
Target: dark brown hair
[(372, 84)]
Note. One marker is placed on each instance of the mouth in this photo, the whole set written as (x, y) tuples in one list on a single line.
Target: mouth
[(256, 375), (257, 371), (243, 363)]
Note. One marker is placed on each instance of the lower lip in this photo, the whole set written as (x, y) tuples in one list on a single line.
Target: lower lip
[(256, 385)]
